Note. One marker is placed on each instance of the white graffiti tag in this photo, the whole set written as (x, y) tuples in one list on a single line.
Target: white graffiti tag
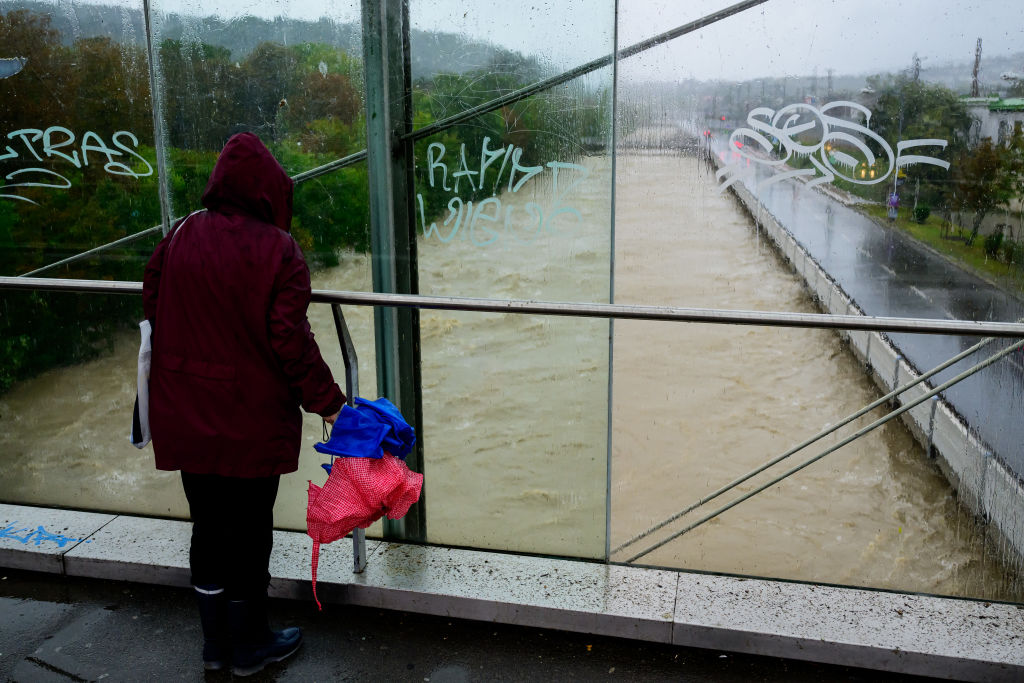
[(59, 145), (836, 147)]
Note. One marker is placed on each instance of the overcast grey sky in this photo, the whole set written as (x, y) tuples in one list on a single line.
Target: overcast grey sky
[(780, 37)]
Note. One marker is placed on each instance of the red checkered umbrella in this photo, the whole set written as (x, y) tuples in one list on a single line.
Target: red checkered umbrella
[(358, 492)]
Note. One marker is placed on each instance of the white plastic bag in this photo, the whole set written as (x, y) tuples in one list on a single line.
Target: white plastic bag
[(140, 435)]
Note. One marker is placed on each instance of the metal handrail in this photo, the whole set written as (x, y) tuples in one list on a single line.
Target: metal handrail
[(586, 310)]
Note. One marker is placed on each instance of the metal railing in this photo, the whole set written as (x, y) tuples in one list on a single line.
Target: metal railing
[(991, 330), (585, 310)]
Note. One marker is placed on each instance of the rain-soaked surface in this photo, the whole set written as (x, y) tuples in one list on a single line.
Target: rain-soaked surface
[(55, 628), (516, 412)]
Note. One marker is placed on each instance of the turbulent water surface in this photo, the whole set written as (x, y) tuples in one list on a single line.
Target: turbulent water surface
[(517, 418)]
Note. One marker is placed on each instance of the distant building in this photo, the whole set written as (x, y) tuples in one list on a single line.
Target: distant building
[(994, 118)]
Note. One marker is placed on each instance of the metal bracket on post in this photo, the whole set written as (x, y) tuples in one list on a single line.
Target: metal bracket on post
[(348, 355), (895, 380), (867, 354), (931, 428)]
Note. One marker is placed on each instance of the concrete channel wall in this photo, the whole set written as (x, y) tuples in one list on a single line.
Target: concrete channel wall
[(988, 488)]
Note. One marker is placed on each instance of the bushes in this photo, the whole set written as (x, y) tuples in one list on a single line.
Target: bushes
[(992, 244), (1013, 253), (921, 213)]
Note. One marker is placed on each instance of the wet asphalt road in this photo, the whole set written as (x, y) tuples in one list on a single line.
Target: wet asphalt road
[(58, 629), (890, 274)]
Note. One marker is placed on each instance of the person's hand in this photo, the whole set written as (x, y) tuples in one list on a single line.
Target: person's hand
[(331, 418)]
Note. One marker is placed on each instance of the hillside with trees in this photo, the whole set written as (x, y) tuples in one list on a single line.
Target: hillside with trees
[(81, 160)]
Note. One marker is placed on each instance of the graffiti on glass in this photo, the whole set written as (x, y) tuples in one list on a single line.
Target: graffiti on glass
[(835, 138), (27, 147), (36, 536), (489, 221)]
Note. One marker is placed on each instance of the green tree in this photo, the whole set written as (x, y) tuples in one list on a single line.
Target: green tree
[(268, 76), (907, 109), (108, 86), (34, 94), (199, 94), (983, 182)]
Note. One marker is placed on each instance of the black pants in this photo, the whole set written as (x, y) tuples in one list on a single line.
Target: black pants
[(232, 532)]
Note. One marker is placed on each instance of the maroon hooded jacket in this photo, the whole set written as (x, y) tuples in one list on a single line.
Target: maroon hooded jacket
[(233, 354)]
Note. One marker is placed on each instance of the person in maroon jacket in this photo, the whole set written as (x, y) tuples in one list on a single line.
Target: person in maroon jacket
[(226, 292)]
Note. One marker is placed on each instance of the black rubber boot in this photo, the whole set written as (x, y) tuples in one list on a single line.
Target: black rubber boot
[(253, 644), (213, 617)]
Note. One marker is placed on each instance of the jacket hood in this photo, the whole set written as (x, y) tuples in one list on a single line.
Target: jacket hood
[(248, 179)]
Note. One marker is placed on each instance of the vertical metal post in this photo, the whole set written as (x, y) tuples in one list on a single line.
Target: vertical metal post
[(152, 53), (348, 355), (611, 289), (393, 230)]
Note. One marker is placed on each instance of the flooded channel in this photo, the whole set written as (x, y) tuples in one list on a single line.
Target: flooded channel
[(517, 419)]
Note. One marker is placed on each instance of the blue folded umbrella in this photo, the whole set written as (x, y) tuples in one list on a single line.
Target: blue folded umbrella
[(400, 438), (368, 430)]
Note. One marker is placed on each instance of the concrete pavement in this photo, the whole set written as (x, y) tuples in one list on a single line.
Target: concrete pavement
[(674, 610), (60, 629)]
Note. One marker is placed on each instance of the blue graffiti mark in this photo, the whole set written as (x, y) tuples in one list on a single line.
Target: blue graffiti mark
[(37, 536)]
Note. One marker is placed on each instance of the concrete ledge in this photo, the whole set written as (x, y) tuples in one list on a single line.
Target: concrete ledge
[(921, 635), (943, 637), (38, 538), (627, 602), (135, 549)]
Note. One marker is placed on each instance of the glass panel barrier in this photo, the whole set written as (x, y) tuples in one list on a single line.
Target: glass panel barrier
[(83, 68), (76, 171), (780, 159), (514, 204), (65, 430), (825, 160)]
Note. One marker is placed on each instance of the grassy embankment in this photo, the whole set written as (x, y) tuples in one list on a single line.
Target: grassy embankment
[(1009, 276)]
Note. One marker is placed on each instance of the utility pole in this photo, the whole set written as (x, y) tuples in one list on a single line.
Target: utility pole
[(975, 90)]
